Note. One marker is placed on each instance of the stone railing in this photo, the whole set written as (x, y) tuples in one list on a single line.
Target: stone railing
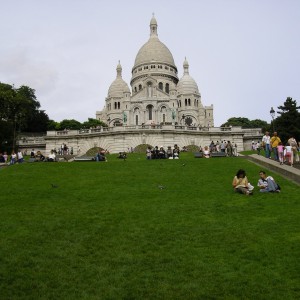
[(37, 140), (235, 129)]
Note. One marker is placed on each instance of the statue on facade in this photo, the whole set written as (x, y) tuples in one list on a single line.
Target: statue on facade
[(173, 114), (124, 117)]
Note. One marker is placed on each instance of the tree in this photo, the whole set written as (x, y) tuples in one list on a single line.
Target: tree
[(52, 125), (93, 123), (246, 123), (69, 124), (288, 123), (19, 111), (243, 122)]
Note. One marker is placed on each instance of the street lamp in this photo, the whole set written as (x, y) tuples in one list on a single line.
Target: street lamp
[(272, 113)]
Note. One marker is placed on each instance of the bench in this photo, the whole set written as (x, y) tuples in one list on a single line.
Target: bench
[(198, 154), (218, 154), (84, 158)]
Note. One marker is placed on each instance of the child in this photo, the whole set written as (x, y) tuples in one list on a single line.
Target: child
[(280, 149), (289, 154)]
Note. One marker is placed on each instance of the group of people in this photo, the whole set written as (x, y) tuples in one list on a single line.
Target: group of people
[(224, 146), (161, 153), (266, 184), (282, 153), (37, 156), (13, 158)]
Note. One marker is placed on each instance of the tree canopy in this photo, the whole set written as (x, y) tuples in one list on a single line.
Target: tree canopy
[(19, 111), (246, 123), (288, 123)]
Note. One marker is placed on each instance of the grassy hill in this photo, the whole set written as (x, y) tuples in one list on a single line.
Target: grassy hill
[(137, 229)]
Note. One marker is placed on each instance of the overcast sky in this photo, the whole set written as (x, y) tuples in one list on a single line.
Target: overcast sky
[(243, 54)]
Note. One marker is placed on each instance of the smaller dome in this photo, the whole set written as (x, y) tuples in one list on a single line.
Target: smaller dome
[(118, 86), (187, 84)]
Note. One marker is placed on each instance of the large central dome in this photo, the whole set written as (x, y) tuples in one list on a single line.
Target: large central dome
[(154, 50)]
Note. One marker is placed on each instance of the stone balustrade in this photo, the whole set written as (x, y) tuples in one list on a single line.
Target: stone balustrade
[(247, 132)]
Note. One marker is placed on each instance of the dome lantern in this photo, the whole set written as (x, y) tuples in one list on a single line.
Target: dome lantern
[(185, 66), (119, 70), (153, 26)]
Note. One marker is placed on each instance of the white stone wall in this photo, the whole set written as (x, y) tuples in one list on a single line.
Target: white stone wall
[(121, 138)]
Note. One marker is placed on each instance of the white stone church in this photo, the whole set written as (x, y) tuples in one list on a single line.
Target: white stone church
[(159, 109), (157, 95)]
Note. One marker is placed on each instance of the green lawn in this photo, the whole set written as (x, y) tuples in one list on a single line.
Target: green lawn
[(107, 231)]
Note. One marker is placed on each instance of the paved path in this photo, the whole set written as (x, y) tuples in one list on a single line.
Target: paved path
[(292, 173)]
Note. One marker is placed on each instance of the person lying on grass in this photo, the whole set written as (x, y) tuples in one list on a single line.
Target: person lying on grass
[(241, 184), (267, 184)]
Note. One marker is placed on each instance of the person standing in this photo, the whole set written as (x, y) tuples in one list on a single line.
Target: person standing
[(229, 148), (280, 149), (294, 145), (275, 140), (258, 147), (266, 144), (289, 154), (13, 158), (223, 146), (20, 156)]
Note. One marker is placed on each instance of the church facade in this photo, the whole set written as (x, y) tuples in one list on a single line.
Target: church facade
[(157, 96), (159, 108)]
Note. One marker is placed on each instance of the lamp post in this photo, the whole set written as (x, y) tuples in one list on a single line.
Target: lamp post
[(272, 113)]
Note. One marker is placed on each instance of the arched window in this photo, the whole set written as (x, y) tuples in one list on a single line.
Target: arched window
[(150, 110), (115, 105), (161, 86), (189, 102), (164, 118), (136, 120), (179, 103), (135, 89), (140, 87), (119, 105), (167, 88), (185, 102)]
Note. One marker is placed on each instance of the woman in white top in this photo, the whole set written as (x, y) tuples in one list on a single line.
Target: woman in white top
[(289, 154), (206, 152), (20, 157), (13, 158)]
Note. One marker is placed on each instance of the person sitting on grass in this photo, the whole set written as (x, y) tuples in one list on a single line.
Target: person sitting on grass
[(267, 184), (100, 156), (51, 157), (39, 156), (241, 184), (122, 155), (206, 152)]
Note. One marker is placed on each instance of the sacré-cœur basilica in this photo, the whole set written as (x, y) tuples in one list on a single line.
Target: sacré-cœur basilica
[(160, 109), (157, 95)]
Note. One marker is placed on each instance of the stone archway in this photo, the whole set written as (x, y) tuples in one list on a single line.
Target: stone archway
[(141, 148), (93, 151)]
